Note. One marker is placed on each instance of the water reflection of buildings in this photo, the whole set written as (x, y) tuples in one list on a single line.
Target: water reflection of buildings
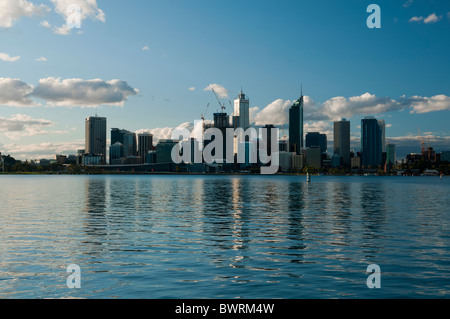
[(372, 196), (95, 190)]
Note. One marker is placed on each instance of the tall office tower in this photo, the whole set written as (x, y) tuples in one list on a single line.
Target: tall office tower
[(241, 116), (296, 126), (342, 141), (95, 142), (222, 122), (127, 139), (145, 144), (370, 143), (390, 154), (315, 139), (382, 125)]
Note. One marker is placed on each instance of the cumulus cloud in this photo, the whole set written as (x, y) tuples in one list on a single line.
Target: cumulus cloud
[(14, 92), (335, 108), (74, 11), (7, 58), (42, 150), (416, 19), (85, 93), (421, 105), (20, 125), (13, 10), (276, 113), (145, 48), (42, 59), (219, 89), (432, 18)]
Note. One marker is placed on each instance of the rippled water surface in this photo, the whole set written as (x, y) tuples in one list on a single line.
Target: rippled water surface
[(224, 237)]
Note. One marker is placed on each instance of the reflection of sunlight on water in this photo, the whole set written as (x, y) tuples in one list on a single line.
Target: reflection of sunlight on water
[(208, 236)]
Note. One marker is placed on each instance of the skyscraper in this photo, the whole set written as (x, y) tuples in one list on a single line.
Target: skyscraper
[(127, 139), (342, 141), (382, 125), (145, 144), (296, 126), (95, 142), (371, 143), (390, 154), (241, 111), (315, 139)]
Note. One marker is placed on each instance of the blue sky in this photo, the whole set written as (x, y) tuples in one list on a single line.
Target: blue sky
[(153, 60)]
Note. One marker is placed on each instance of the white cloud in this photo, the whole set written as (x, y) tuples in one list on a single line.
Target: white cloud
[(20, 125), (42, 150), (432, 18), (42, 59), (408, 3), (276, 113), (14, 92), (146, 48), (192, 88), (219, 89), (335, 108), (84, 93), (416, 19), (427, 104), (13, 10), (7, 58), (88, 9)]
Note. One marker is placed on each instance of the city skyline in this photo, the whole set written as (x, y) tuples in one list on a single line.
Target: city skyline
[(160, 75)]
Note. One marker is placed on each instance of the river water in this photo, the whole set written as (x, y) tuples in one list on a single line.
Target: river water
[(190, 237)]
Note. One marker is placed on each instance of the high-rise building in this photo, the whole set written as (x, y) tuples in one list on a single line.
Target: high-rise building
[(127, 139), (315, 139), (371, 150), (145, 144), (222, 122), (296, 126), (96, 137), (382, 125), (342, 141), (391, 154), (241, 116)]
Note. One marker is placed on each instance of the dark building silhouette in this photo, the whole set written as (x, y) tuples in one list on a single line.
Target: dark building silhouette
[(315, 139), (371, 140), (96, 137), (342, 141), (296, 126)]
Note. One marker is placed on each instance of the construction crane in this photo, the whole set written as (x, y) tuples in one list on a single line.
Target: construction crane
[(222, 106)]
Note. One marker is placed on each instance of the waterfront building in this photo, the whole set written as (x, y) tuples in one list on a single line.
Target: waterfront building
[(164, 151), (391, 154), (382, 125), (96, 137), (241, 116), (371, 150), (127, 139), (145, 144), (315, 139), (296, 126), (314, 157), (342, 141)]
